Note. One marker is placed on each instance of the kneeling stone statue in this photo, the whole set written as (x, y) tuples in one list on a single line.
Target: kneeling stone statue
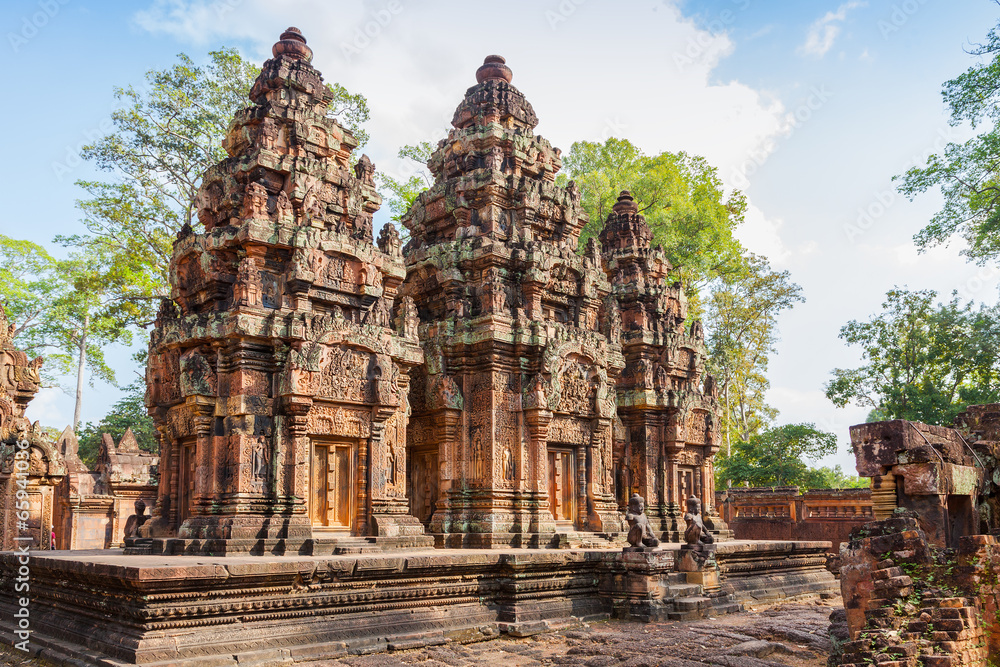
[(640, 533), (700, 547)]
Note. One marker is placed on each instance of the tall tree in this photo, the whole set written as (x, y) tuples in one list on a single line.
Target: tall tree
[(63, 310), (742, 325), (968, 173), (166, 135), (680, 195), (922, 362), (778, 457), (128, 412), (26, 289)]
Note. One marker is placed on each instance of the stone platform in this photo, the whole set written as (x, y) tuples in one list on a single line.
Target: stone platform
[(105, 608)]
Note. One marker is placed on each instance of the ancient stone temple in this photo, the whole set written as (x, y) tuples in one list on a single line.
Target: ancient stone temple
[(94, 506), (666, 401), (511, 433), (278, 372), (28, 461)]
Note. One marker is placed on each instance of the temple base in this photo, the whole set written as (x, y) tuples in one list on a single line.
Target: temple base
[(106, 608)]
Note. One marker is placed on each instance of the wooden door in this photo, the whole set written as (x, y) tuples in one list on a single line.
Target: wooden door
[(562, 485), (333, 489), (685, 486), (189, 467)]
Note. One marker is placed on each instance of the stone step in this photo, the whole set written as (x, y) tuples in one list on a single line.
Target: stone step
[(343, 546), (682, 590), (693, 603)]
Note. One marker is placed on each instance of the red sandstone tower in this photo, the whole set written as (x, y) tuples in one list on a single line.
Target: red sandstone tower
[(666, 401), (278, 372), (511, 432)]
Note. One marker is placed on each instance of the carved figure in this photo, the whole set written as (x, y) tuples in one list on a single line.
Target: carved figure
[(388, 240), (407, 320), (255, 202), (695, 532), (365, 170), (640, 533), (136, 520)]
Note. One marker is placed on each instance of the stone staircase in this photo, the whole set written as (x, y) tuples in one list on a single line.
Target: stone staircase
[(575, 539), (682, 601), (354, 546)]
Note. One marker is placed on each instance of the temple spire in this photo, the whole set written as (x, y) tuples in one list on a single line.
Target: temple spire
[(292, 45)]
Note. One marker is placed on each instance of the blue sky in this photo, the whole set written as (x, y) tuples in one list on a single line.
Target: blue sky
[(809, 107)]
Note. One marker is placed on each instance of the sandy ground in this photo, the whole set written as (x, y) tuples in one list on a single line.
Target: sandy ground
[(792, 635)]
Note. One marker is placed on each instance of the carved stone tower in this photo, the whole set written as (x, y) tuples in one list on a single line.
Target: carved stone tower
[(511, 434), (31, 467), (278, 372), (666, 401)]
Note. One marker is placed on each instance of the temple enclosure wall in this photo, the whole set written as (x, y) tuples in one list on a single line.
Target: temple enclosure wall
[(783, 513)]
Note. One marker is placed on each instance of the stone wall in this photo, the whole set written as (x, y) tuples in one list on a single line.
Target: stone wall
[(783, 513), (909, 603)]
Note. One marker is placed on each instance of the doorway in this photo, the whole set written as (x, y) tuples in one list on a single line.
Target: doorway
[(333, 486), (423, 471), (188, 470), (562, 486)]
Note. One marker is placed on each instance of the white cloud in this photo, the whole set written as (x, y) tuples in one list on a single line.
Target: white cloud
[(655, 89), (823, 33), (49, 406)]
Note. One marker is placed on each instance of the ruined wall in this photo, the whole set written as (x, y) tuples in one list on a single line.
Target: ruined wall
[(782, 513), (932, 470), (909, 602)]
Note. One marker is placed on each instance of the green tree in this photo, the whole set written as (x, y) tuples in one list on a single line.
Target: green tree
[(129, 412), (777, 457), (63, 310), (680, 195), (26, 289), (826, 477), (968, 173), (166, 135), (742, 324), (922, 362), (404, 189)]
